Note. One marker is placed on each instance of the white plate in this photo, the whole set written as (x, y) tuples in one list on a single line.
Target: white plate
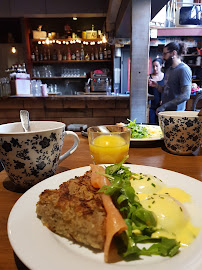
[(38, 248), (154, 128)]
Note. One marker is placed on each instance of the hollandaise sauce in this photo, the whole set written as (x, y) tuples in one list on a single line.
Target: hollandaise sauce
[(166, 203)]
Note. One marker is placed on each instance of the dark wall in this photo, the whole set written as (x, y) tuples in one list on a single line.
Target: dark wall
[(57, 24), (12, 26), (34, 8)]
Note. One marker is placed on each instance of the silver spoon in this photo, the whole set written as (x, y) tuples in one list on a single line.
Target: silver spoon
[(24, 117)]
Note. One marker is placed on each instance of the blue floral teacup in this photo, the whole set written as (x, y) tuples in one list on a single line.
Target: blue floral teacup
[(182, 131), (30, 157)]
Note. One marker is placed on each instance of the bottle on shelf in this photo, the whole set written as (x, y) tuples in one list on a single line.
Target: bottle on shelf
[(19, 68), (101, 54), (105, 52), (82, 53), (41, 56), (64, 56), (54, 56), (16, 68), (59, 56), (48, 54), (87, 57), (96, 54), (109, 53), (45, 55), (77, 54), (99, 34), (92, 57), (36, 54), (24, 70), (73, 56), (33, 57), (69, 57)]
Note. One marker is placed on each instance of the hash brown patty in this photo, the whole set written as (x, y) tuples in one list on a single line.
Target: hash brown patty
[(74, 211)]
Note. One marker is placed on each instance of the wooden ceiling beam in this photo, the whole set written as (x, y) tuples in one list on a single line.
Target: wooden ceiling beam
[(112, 12), (122, 14), (119, 16)]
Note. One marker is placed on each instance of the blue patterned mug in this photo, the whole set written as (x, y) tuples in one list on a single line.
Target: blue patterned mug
[(30, 157), (182, 131)]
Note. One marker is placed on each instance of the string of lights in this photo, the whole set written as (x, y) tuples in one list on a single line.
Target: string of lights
[(72, 41)]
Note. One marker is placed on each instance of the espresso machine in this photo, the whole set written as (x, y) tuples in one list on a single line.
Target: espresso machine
[(101, 81)]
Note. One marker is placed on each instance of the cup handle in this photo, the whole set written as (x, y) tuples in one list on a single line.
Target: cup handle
[(73, 148)]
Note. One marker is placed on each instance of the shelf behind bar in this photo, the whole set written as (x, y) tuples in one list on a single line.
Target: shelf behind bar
[(59, 77), (68, 61)]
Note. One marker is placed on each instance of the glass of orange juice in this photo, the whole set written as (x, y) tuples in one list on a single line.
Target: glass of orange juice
[(108, 144)]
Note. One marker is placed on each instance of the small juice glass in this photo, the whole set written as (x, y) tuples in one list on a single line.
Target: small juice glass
[(108, 144)]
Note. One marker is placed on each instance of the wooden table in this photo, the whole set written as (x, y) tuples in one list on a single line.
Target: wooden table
[(155, 156)]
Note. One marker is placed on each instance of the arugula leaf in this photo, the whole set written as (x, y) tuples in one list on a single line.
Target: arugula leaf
[(144, 216), (116, 167), (128, 249), (167, 247), (127, 194), (110, 190)]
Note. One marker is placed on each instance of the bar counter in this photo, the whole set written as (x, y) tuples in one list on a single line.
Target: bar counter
[(72, 109), (91, 109)]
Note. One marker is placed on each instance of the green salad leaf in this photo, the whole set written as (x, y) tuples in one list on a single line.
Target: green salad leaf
[(140, 221), (137, 131), (115, 167)]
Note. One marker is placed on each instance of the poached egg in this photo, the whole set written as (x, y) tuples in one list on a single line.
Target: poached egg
[(167, 204)]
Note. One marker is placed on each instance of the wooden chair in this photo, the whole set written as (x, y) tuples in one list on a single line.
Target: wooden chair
[(195, 106)]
